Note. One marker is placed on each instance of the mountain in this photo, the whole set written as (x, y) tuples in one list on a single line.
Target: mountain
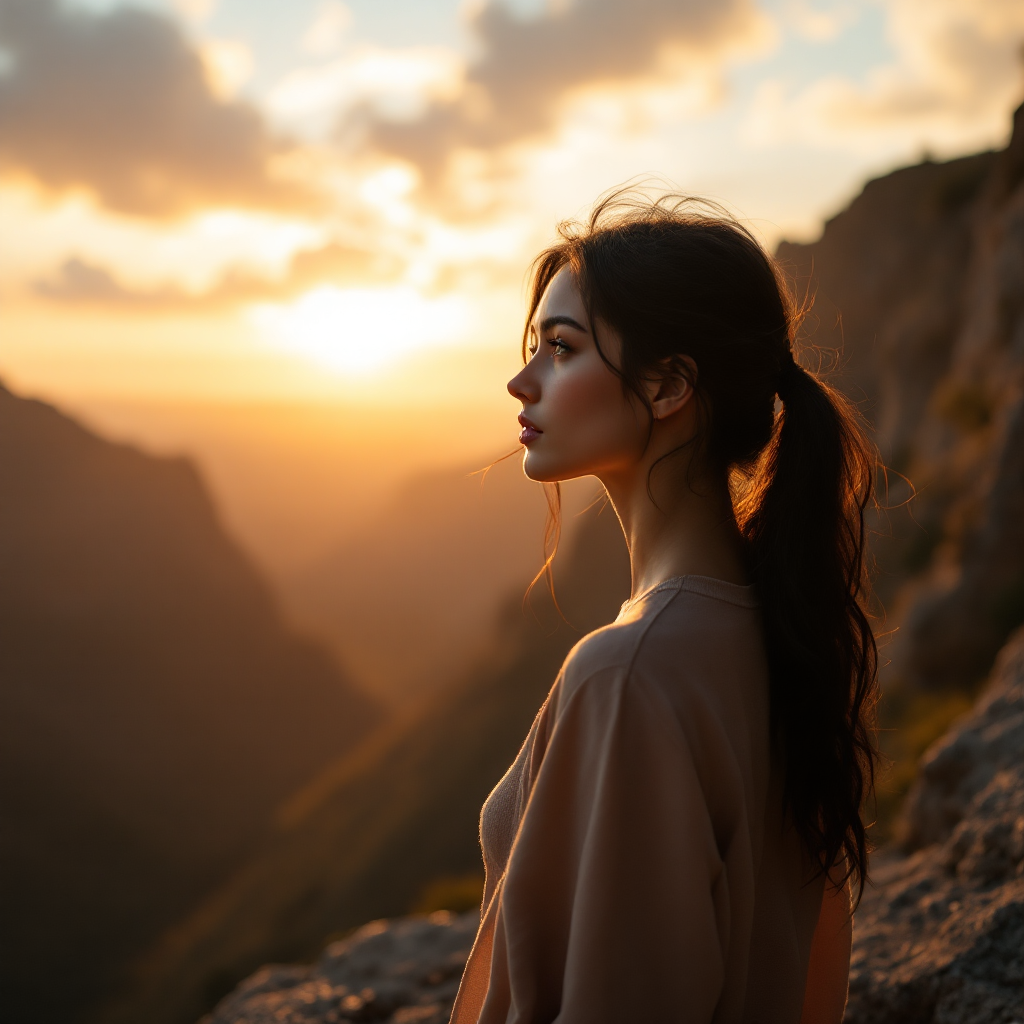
[(294, 478), (350, 507), (154, 709), (365, 837)]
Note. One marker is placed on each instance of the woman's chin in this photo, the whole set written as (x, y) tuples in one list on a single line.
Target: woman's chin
[(542, 470)]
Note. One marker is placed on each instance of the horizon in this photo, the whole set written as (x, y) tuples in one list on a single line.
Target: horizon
[(290, 241), (336, 202)]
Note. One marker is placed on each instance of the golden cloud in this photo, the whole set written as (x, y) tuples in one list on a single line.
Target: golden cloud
[(78, 282), (119, 103), (528, 68), (956, 73)]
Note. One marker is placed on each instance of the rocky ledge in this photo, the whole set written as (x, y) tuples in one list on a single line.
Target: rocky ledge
[(404, 971), (938, 937)]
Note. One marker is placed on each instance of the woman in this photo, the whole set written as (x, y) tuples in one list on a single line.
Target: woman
[(677, 838)]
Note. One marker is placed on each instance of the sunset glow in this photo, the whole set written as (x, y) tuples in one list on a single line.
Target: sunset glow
[(338, 184), (361, 329)]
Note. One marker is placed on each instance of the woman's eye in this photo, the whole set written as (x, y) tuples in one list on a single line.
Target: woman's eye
[(559, 346)]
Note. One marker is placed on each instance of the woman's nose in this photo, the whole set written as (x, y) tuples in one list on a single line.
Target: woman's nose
[(522, 387)]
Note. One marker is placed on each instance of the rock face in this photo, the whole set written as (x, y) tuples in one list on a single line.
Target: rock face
[(920, 285), (940, 935), (938, 938), (976, 764), (404, 972)]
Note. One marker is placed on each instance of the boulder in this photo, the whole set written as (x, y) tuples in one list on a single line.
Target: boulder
[(404, 971)]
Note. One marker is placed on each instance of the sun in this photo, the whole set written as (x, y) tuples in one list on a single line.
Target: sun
[(360, 330)]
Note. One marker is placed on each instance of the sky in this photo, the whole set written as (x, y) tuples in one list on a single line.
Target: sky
[(317, 200)]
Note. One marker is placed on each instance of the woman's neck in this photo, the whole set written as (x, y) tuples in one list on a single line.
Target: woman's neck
[(689, 529)]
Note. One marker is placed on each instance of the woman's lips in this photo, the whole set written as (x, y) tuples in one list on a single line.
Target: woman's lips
[(529, 432)]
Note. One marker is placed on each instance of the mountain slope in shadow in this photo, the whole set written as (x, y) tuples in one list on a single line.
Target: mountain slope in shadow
[(362, 840), (153, 708)]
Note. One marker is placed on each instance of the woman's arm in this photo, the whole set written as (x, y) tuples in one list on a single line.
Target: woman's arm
[(828, 974)]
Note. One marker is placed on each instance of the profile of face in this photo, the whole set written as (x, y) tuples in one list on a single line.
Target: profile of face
[(577, 418)]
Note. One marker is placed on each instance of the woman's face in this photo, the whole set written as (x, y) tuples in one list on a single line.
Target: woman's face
[(577, 420)]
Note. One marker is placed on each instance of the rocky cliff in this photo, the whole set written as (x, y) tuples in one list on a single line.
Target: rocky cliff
[(153, 708), (919, 285), (404, 971)]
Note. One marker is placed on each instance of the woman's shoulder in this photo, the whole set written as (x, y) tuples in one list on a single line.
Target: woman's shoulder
[(612, 649), (687, 636)]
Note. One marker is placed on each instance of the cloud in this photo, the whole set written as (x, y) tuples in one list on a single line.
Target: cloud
[(527, 69), (81, 283), (957, 74), (389, 82), (119, 103)]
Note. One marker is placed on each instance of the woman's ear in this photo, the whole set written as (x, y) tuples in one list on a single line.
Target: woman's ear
[(672, 389)]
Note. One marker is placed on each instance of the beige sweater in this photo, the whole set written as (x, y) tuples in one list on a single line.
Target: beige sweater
[(638, 863)]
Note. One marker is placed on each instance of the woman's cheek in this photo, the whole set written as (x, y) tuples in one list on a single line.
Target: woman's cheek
[(575, 396), (589, 414)]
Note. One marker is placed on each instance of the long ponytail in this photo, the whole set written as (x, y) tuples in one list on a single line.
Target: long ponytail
[(802, 515), (677, 276)]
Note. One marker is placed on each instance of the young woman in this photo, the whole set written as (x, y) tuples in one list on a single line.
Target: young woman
[(677, 838)]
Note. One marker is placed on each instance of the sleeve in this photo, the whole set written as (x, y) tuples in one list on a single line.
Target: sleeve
[(614, 905)]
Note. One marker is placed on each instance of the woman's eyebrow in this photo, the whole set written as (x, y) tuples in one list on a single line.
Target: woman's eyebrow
[(561, 321)]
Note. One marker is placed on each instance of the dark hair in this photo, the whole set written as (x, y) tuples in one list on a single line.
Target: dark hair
[(679, 277)]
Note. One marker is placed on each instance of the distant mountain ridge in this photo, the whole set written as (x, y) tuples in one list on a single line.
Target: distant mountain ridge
[(154, 710)]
